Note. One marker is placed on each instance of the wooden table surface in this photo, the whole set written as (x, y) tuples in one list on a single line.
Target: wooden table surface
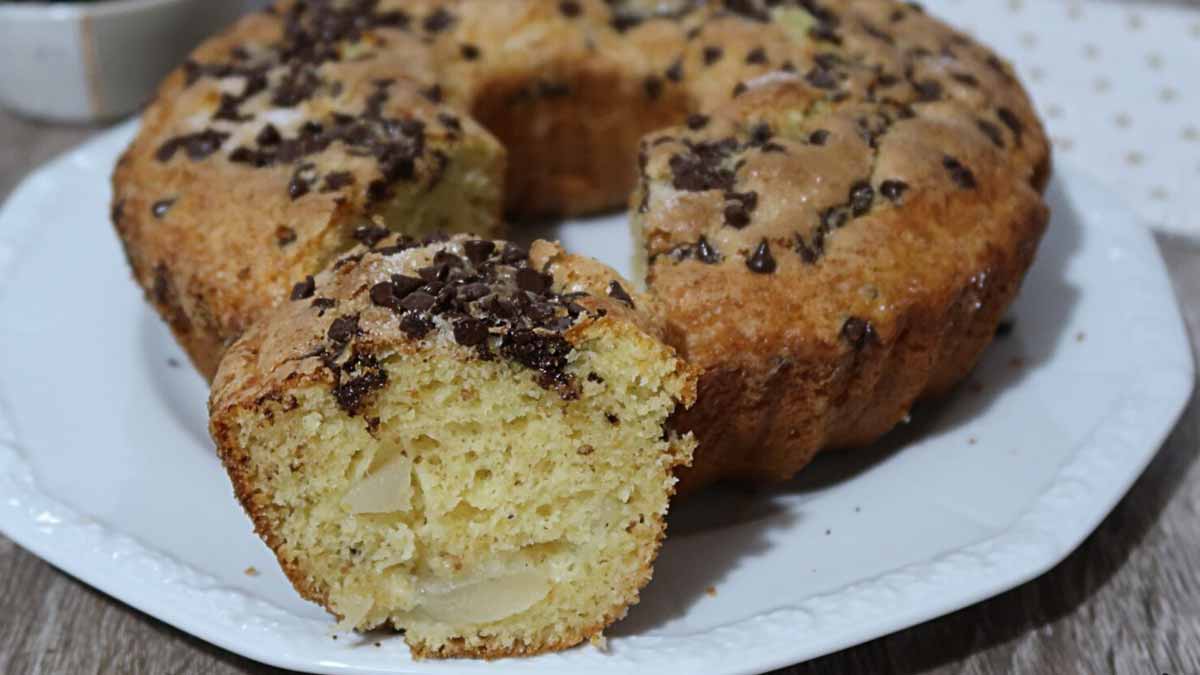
[(1128, 601)]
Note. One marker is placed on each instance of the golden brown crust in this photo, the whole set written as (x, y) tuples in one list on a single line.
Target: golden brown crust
[(837, 237)]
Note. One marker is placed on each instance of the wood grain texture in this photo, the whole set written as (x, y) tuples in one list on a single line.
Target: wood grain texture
[(1128, 601)]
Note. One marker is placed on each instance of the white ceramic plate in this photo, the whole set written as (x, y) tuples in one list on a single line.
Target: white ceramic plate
[(106, 470)]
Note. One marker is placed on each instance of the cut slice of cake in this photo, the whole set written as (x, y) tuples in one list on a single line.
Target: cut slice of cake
[(461, 439)]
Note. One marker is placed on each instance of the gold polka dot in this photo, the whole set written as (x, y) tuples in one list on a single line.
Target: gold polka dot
[(1134, 22), (1191, 134), (1135, 158), (1159, 194), (1063, 143), (1168, 94), (1155, 61), (1091, 52), (1196, 30), (1102, 84), (1037, 74), (1123, 120), (1074, 12), (1016, 5), (1054, 111), (1028, 40)]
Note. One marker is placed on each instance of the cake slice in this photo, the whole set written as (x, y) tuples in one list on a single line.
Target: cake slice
[(458, 438)]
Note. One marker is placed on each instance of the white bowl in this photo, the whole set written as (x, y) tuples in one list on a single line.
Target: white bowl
[(82, 62)]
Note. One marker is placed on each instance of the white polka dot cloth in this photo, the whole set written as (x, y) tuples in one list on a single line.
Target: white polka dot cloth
[(1118, 84)]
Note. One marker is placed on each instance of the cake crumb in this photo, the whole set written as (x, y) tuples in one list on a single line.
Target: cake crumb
[(972, 440), (712, 591), (1080, 336), (173, 362), (251, 571), (599, 642)]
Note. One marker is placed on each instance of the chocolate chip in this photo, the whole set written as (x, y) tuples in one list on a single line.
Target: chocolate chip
[(284, 235), (352, 394), (712, 54), (761, 262), (304, 289), (739, 89), (674, 72), (337, 180), (821, 78), (760, 133), (268, 136), (960, 174), (343, 329), (533, 281), (438, 21), (469, 52), (513, 254), (928, 90), (862, 196), (384, 294), (450, 122), (478, 250), (758, 55), (991, 131), (415, 325), (706, 253), (893, 189), (419, 301), (323, 304), (1010, 120), (470, 332), (736, 215), (653, 86), (197, 146), (818, 137), (433, 94), (160, 207), (472, 292), (616, 291), (696, 122), (570, 8), (858, 332), (966, 79), (297, 187)]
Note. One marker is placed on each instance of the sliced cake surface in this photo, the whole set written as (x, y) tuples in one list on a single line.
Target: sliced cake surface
[(461, 439)]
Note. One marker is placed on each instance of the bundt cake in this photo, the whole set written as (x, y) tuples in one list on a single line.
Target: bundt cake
[(835, 201), (458, 438)]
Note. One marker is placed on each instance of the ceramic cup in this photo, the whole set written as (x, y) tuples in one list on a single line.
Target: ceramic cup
[(82, 62)]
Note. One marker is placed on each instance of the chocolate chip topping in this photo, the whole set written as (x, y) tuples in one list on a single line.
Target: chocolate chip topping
[(356, 380), (893, 190), (197, 146), (858, 332), (304, 289), (700, 168), (960, 174), (761, 262), (487, 297), (616, 291), (570, 8), (705, 253), (438, 21)]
